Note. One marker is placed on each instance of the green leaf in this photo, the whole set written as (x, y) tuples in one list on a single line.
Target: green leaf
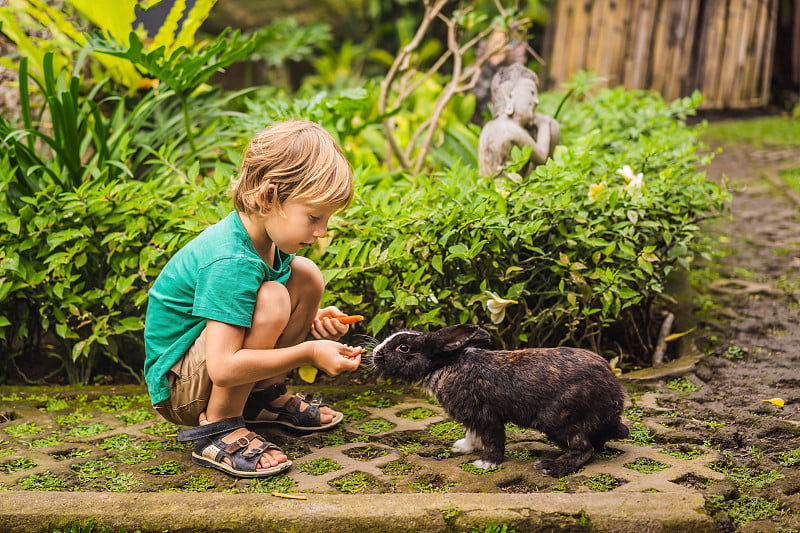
[(378, 321)]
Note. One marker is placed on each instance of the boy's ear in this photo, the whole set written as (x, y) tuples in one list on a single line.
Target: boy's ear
[(456, 337), (268, 196)]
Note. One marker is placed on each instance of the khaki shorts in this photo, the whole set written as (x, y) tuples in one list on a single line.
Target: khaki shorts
[(189, 386)]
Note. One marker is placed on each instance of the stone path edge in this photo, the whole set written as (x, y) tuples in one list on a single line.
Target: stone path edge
[(175, 512)]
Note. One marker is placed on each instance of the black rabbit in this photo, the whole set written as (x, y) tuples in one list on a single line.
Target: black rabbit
[(569, 394)]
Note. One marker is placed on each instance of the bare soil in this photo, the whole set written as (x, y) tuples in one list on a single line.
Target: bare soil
[(747, 308)]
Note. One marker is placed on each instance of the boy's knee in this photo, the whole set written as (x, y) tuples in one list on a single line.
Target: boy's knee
[(307, 277), (273, 305)]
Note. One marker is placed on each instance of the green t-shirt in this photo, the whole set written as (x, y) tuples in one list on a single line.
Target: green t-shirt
[(216, 276)]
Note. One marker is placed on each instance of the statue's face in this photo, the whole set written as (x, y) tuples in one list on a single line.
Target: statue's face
[(525, 98)]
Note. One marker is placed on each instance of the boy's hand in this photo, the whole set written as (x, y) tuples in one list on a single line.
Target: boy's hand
[(333, 358), (326, 327)]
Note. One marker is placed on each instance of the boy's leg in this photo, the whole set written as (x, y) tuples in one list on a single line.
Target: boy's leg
[(273, 307), (305, 287)]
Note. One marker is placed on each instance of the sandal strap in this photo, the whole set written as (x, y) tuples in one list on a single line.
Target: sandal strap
[(214, 428), (271, 393), (241, 442), (291, 410)]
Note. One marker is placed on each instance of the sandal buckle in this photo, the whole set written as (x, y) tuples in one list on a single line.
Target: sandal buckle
[(252, 453), (243, 442)]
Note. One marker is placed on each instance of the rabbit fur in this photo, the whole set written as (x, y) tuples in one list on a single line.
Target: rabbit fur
[(569, 394)]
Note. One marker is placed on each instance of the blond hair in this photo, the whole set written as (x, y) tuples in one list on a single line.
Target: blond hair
[(301, 159)]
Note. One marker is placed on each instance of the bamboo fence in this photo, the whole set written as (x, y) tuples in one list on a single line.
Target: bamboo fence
[(723, 48)]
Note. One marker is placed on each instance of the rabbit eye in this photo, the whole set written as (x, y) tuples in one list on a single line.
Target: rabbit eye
[(403, 348)]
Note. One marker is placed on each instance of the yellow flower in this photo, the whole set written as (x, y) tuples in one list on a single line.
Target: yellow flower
[(635, 181), (595, 189), (497, 306)]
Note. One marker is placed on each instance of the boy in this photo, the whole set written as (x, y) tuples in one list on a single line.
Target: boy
[(228, 315)]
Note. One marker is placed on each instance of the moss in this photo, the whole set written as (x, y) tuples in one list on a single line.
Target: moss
[(645, 465), (50, 440), (634, 414), (318, 467), (366, 453), (417, 413), (14, 397), (337, 437), (161, 429), (376, 425), (73, 453), (450, 513), (683, 451), (744, 477), (682, 385), (640, 435), (110, 404), (450, 430), (745, 509), (791, 458), (199, 483), (56, 404), (602, 482), (431, 483), (170, 468), (44, 481), (73, 418), (139, 415), (607, 453), (17, 465), (279, 483), (24, 430), (398, 467), (354, 482), (472, 469), (88, 430), (521, 454), (100, 476)]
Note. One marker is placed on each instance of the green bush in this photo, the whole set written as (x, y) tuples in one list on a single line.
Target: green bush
[(99, 191), (569, 244), (78, 264)]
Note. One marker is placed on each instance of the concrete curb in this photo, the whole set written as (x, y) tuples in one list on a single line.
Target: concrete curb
[(178, 512)]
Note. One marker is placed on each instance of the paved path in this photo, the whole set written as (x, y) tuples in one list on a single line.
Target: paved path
[(389, 465), (101, 454)]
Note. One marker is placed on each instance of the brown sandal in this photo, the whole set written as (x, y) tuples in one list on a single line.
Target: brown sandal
[(258, 410), (210, 450)]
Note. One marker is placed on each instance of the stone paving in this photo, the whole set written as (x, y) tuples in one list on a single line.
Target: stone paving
[(101, 454), (107, 440)]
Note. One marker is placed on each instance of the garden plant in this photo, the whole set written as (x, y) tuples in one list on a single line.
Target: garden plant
[(102, 184)]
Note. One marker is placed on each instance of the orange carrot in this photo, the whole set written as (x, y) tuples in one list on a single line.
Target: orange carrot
[(352, 319), (361, 351)]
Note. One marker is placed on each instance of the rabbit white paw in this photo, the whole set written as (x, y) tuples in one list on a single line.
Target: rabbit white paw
[(468, 444), (483, 465)]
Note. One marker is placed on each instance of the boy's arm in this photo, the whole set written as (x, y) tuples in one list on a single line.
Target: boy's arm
[(230, 365)]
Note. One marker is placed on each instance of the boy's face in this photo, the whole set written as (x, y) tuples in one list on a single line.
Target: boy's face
[(297, 225)]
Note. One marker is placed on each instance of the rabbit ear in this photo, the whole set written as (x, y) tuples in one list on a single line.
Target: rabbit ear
[(456, 337)]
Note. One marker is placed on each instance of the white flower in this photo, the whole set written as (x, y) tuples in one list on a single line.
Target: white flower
[(635, 181), (497, 306)]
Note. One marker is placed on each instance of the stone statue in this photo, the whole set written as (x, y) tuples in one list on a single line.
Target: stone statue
[(515, 95), (513, 52)]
